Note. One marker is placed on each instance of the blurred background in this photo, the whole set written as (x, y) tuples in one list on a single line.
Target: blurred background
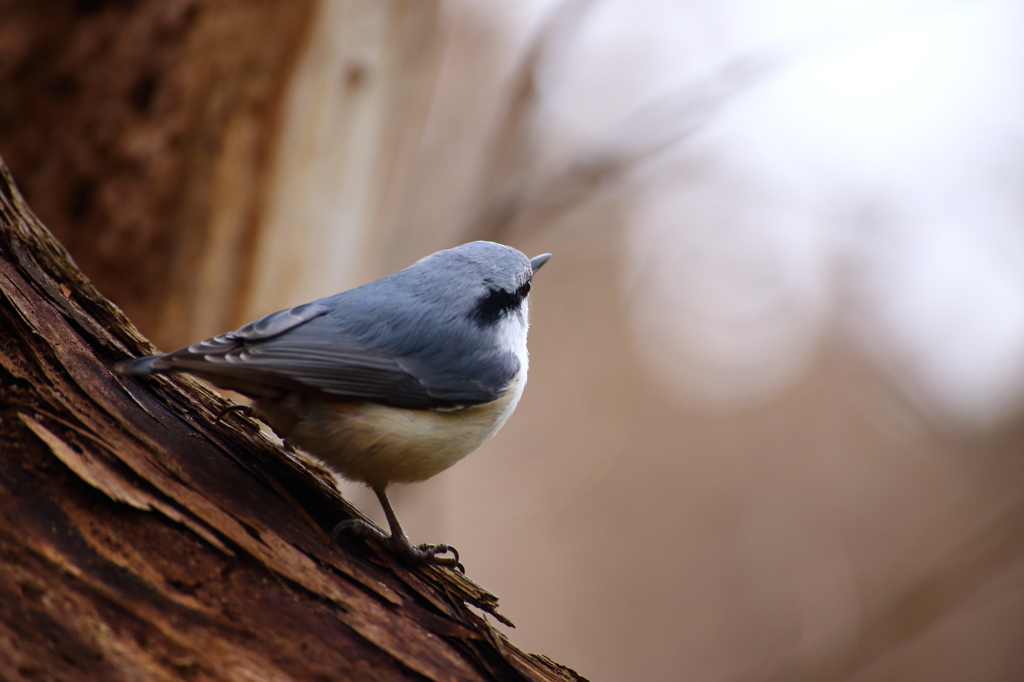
[(773, 429)]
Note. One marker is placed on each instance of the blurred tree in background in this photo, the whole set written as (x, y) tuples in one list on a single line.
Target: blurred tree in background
[(774, 421)]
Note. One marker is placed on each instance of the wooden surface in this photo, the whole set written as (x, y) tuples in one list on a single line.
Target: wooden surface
[(141, 133), (142, 541)]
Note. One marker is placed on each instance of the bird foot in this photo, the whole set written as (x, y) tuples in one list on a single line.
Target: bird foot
[(247, 410), (425, 554), (358, 528)]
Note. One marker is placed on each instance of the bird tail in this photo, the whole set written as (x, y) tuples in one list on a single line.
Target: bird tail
[(146, 365)]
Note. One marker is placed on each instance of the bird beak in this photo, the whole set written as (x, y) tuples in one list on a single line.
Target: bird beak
[(538, 261)]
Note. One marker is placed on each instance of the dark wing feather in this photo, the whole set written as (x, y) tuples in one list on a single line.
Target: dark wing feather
[(277, 323), (261, 360), (360, 372)]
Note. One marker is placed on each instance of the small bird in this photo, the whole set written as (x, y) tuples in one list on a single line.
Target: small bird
[(390, 382)]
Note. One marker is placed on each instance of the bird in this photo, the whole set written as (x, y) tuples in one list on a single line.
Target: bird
[(390, 382)]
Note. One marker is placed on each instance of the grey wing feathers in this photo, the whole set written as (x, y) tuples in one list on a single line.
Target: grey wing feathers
[(363, 373), (279, 322), (222, 345), (260, 359)]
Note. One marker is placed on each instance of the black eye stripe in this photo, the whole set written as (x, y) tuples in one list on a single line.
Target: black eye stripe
[(498, 302)]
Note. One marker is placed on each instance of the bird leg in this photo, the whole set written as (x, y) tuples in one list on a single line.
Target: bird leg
[(398, 542)]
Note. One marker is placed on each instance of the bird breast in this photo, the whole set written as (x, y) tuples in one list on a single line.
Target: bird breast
[(379, 444)]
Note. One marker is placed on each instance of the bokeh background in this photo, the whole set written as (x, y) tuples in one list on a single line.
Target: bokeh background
[(773, 429)]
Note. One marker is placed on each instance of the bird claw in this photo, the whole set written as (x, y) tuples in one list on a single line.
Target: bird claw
[(422, 554), (247, 410), (356, 527), (425, 553), (430, 553)]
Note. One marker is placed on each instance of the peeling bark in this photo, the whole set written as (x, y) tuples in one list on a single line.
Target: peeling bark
[(140, 540)]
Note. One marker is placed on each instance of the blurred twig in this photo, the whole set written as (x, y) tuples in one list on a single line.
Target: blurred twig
[(519, 199), (511, 155)]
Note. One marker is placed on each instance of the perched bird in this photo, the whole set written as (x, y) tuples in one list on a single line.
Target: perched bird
[(390, 382)]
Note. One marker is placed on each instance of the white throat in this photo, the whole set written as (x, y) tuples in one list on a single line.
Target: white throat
[(512, 330)]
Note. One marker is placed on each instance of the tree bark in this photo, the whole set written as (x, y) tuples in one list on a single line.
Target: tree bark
[(142, 540), (142, 134)]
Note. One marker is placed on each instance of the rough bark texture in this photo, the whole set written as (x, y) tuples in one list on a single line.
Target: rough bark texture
[(140, 540), (140, 132)]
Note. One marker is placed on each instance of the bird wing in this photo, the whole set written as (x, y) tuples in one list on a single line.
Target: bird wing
[(287, 351)]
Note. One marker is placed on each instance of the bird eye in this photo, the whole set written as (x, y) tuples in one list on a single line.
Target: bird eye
[(525, 289)]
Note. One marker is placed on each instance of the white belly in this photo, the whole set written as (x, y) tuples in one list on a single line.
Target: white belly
[(378, 445)]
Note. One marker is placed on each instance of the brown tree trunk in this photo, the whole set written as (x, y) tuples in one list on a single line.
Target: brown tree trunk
[(140, 540), (142, 132)]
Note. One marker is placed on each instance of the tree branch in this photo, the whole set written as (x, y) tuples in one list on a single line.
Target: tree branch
[(142, 540)]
